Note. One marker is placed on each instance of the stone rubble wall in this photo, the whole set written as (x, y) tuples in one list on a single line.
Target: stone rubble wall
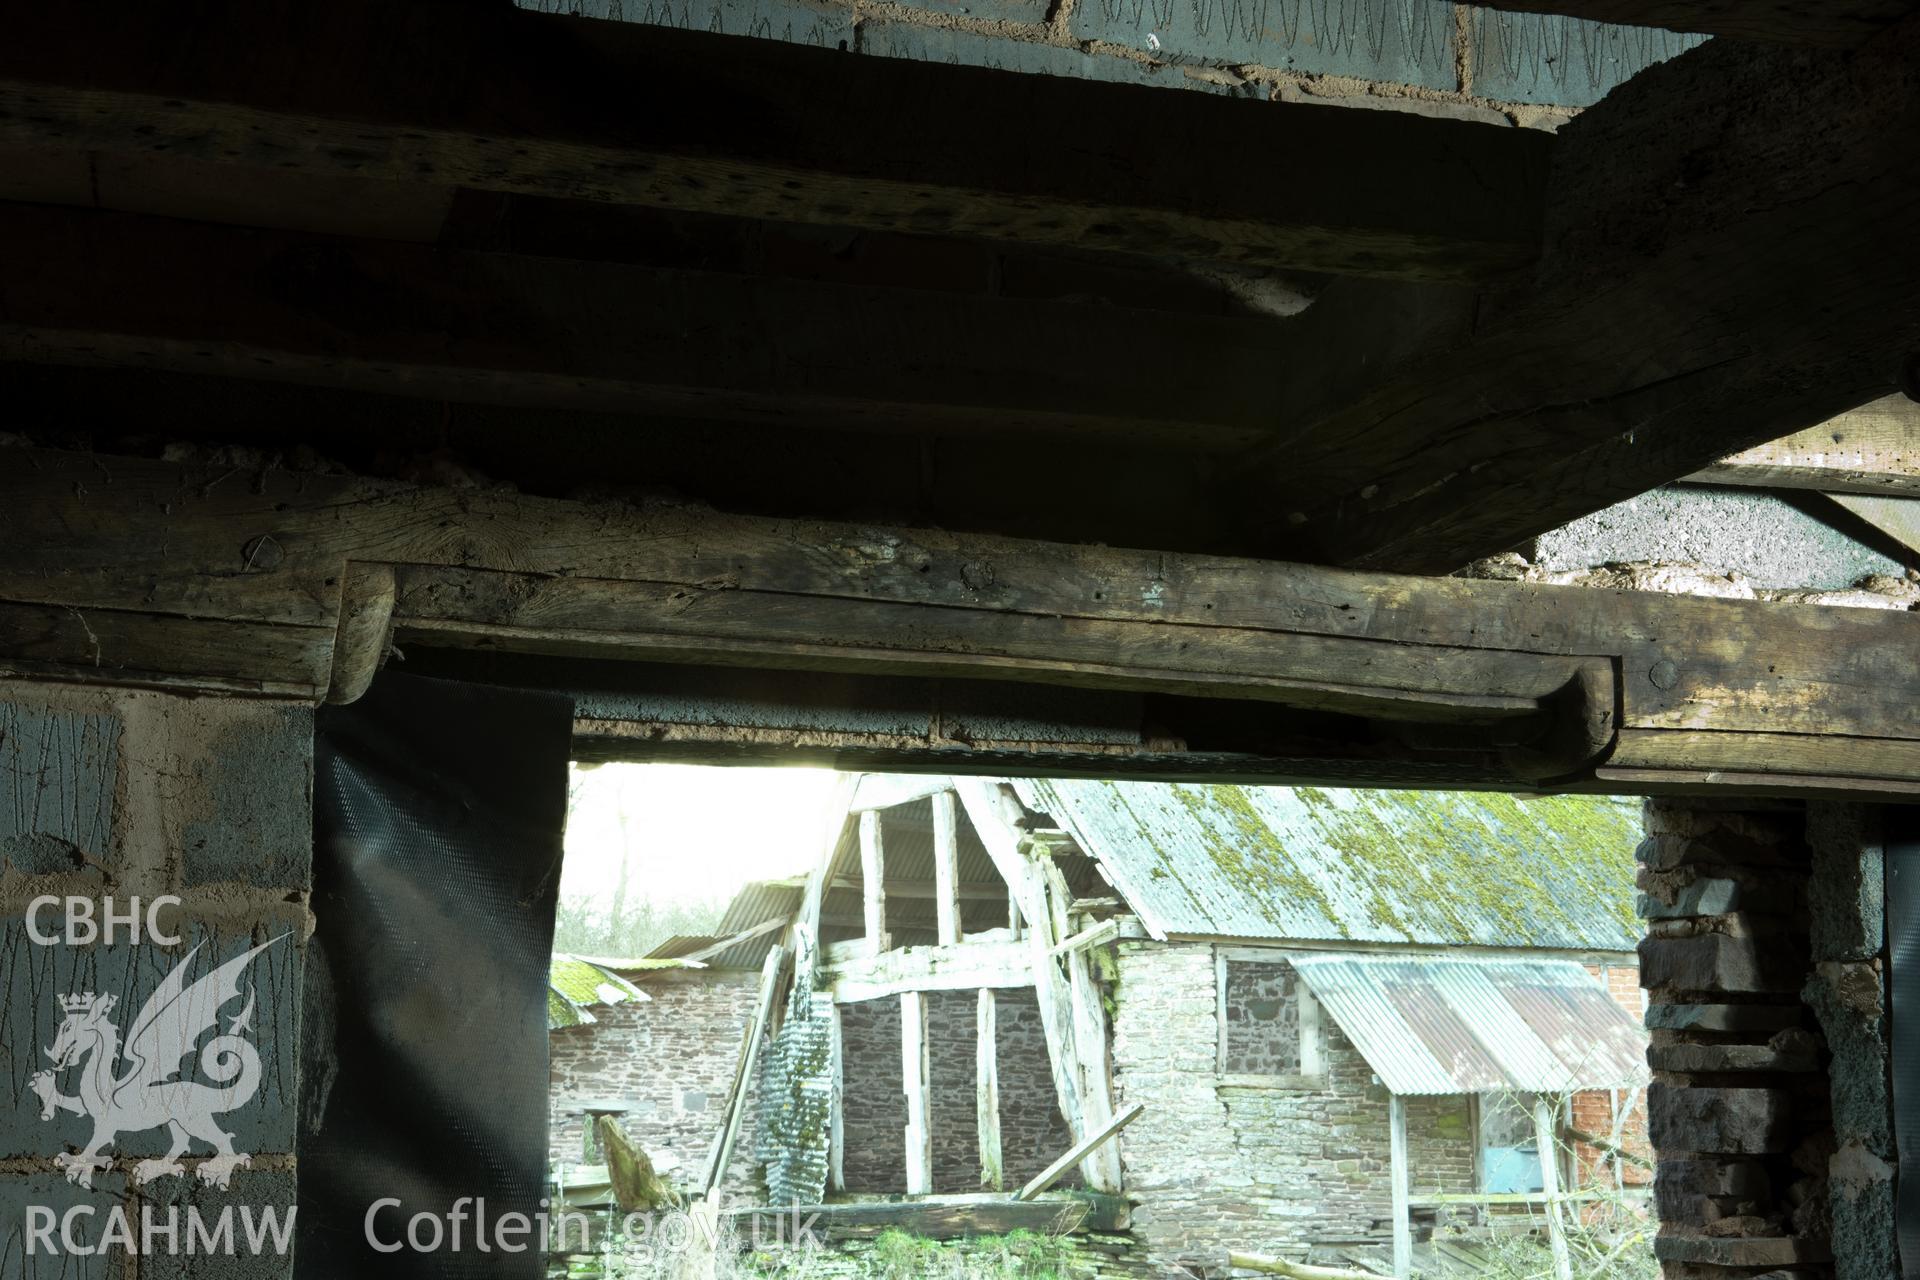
[(1032, 1130), (1213, 1167), (670, 1061)]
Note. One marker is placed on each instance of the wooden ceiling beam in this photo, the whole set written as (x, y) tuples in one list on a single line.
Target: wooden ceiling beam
[(1730, 258), (1812, 22), (127, 290), (140, 572), (452, 94)]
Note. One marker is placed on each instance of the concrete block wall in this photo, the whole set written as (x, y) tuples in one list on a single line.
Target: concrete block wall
[(1770, 1113), (1430, 56), (122, 794), (1213, 1166), (669, 1061)]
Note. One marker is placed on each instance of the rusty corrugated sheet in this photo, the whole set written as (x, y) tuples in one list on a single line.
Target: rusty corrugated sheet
[(1471, 1024), (1322, 864)]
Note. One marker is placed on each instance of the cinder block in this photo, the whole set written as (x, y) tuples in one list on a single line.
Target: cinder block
[(21, 1194), (1392, 41), (256, 800), (37, 977), (57, 774), (1724, 1121), (797, 21), (244, 1202), (1542, 58)]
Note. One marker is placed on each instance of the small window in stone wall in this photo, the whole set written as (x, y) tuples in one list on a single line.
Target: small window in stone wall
[(1262, 1028)]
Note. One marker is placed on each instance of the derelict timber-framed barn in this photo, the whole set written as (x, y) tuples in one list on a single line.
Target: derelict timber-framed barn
[(1486, 971), (687, 394)]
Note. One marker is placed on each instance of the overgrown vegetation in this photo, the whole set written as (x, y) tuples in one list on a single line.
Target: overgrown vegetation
[(894, 1255)]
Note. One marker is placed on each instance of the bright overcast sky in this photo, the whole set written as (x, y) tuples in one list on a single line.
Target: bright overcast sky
[(694, 833)]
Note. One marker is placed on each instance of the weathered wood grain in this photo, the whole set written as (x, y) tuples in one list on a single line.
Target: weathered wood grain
[(1872, 451), (1812, 22), (670, 582), (1729, 258), (456, 95)]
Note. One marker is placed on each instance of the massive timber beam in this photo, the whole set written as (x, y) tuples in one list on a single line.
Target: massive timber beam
[(292, 585), (123, 289), (451, 94), (1814, 22), (1730, 259)]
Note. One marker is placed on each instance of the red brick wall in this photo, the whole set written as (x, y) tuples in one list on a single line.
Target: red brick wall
[(1593, 1112)]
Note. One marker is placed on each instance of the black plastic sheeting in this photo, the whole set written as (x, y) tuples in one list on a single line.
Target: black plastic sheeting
[(438, 818), (1903, 936)]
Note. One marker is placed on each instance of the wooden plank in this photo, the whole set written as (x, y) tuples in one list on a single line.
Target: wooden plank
[(160, 651), (1667, 328), (760, 930), (91, 533), (1811, 22), (1313, 1045), (1401, 1177), (1002, 844), (838, 807), (723, 1142), (505, 100), (1091, 936), (886, 790), (1101, 1168), (873, 880), (914, 1081), (946, 868), (1547, 1139), (122, 289), (956, 967), (1872, 450), (1079, 1152), (837, 1116), (365, 631), (986, 1074)]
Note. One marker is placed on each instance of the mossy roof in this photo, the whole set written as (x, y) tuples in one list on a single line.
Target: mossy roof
[(574, 985), (1324, 864)]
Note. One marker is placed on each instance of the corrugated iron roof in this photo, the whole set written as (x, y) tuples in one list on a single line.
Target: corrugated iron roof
[(1472, 1024), (1322, 864)]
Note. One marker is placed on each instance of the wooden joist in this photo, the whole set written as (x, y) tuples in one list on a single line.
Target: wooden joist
[(986, 1075), (873, 881), (1873, 451), (150, 559), (1814, 22), (414, 320), (448, 94), (961, 967), (915, 1081), (1681, 312), (1080, 1151)]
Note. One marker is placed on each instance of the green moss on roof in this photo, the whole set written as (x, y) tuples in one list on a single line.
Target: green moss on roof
[(1415, 866)]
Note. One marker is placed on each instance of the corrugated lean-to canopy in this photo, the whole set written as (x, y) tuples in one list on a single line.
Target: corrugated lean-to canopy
[(1431, 868), (1468, 1024)]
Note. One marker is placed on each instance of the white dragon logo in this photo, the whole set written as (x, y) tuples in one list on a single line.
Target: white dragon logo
[(130, 1087)]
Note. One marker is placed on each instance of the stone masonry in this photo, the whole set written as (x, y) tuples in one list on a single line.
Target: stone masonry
[(669, 1061), (1769, 1111), (1212, 1166), (1032, 1130), (114, 793)]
